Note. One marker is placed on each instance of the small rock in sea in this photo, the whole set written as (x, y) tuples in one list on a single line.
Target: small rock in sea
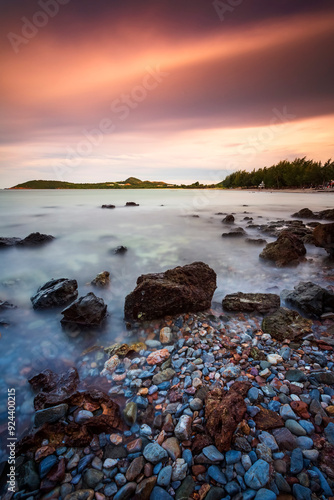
[(55, 293), (102, 279), (108, 206), (120, 250), (131, 204), (229, 219), (87, 311)]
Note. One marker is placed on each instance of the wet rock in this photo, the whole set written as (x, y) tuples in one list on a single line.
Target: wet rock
[(287, 250), (301, 493), (224, 411), (158, 357), (144, 488), (6, 305), (179, 469), (131, 204), (108, 206), (163, 376), (50, 415), (54, 388), (286, 324), (325, 377), (256, 241), (229, 219), (9, 242), (135, 468), (235, 233), (251, 302), (297, 461), (101, 280), (305, 213), (264, 494), (126, 492), (35, 239), (87, 311), (55, 293), (121, 250), (310, 298), (323, 236), (46, 465), (166, 335), (183, 289)]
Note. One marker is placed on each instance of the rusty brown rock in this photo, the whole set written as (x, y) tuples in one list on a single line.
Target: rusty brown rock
[(268, 419), (287, 250), (223, 412), (323, 236), (53, 388)]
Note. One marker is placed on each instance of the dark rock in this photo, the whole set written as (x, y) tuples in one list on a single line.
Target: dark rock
[(144, 488), (215, 493), (224, 411), (46, 465), (236, 233), (108, 206), (267, 419), (126, 492), (120, 250), (285, 439), (286, 324), (87, 311), (287, 250), (160, 494), (324, 377), (183, 289), (295, 376), (131, 204), (35, 239), (9, 242), (27, 476), (310, 298), (323, 236), (256, 241), (326, 214), (135, 468), (6, 305), (305, 213), (50, 415), (92, 477), (301, 493), (81, 495), (250, 302), (54, 388), (229, 219), (186, 489), (55, 293)]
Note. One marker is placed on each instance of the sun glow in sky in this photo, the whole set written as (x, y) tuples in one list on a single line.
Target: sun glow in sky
[(100, 91)]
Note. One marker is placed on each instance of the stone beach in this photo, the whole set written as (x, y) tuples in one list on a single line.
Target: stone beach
[(231, 402)]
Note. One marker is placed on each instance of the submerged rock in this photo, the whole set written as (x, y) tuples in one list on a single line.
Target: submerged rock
[(305, 213), (224, 411), (229, 219), (286, 324), (131, 204), (108, 206), (87, 311), (235, 233), (183, 289), (101, 280), (33, 239), (323, 236), (287, 250), (250, 302), (310, 298), (55, 293), (120, 250)]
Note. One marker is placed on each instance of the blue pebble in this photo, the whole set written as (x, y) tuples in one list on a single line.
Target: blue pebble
[(307, 425), (301, 493), (253, 456), (251, 424), (264, 494), (297, 461), (323, 482), (252, 410), (132, 456), (127, 433), (84, 461), (188, 457), (232, 488), (239, 469), (164, 386), (329, 432), (274, 405), (46, 465), (157, 468), (229, 472), (76, 479), (248, 494), (216, 473), (232, 457)]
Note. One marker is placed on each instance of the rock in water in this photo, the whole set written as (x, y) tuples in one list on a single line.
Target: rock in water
[(55, 293), (87, 311), (35, 239), (310, 298), (287, 250), (108, 206), (286, 324), (224, 411), (183, 289), (305, 213), (323, 236), (101, 280), (249, 302)]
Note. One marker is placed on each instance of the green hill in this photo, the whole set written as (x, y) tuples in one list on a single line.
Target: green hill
[(130, 183)]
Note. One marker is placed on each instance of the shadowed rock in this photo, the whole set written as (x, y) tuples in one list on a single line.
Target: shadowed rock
[(87, 311), (250, 302), (287, 250), (323, 236), (34, 239), (183, 289), (286, 324), (55, 293), (310, 298)]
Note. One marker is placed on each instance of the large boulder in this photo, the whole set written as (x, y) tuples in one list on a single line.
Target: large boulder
[(87, 311), (34, 239), (305, 213), (224, 410), (286, 324), (55, 293), (251, 302), (323, 236), (180, 290), (310, 298), (287, 250), (327, 214)]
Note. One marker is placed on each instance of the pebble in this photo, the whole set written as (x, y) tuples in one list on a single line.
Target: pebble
[(213, 454), (154, 453)]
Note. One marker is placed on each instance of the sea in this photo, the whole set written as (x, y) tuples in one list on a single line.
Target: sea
[(169, 228)]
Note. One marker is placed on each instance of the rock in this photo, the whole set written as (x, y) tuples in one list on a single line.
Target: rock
[(154, 453), (213, 454), (92, 477), (186, 489), (9, 242), (305, 213), (144, 488), (286, 324), (183, 289), (323, 236), (87, 311), (82, 416), (229, 219), (324, 377), (55, 293), (256, 241), (135, 468), (297, 461), (235, 233), (267, 419), (329, 433), (54, 388), (6, 305), (287, 412), (172, 446), (295, 428), (232, 457), (130, 413), (131, 204), (264, 494), (258, 475), (160, 494), (163, 376), (81, 495), (295, 376), (274, 359), (108, 206), (101, 280), (179, 469), (157, 357), (217, 475), (36, 239), (251, 302), (165, 476), (285, 439), (120, 250), (126, 492), (224, 411), (46, 465), (287, 250), (50, 415), (166, 335), (301, 493), (310, 298), (215, 493), (183, 429)]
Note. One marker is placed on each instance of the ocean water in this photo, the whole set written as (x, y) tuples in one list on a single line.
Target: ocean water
[(168, 228)]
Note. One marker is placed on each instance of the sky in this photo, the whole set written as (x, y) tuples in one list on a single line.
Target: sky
[(172, 90)]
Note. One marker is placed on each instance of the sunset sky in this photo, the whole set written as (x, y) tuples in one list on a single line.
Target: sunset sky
[(171, 90)]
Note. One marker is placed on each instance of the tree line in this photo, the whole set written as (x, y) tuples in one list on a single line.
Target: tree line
[(299, 173)]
